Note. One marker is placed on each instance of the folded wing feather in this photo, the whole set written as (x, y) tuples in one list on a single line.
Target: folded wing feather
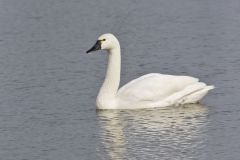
[(154, 86)]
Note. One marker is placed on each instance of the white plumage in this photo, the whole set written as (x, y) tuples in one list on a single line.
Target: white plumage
[(148, 91)]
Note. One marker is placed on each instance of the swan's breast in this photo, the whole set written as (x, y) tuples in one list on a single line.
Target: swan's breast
[(106, 102)]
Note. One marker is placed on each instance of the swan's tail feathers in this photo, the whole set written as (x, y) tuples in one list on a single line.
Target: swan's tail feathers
[(197, 96), (191, 94), (210, 87)]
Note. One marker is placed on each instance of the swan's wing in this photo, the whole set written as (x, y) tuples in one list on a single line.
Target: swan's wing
[(154, 86)]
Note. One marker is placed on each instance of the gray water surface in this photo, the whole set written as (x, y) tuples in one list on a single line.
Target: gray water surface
[(48, 84)]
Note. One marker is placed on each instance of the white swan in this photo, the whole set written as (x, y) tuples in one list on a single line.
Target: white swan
[(148, 91)]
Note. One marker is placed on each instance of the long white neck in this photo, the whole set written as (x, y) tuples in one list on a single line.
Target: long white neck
[(112, 78)]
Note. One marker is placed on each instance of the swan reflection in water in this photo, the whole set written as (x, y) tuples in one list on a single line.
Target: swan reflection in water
[(169, 133)]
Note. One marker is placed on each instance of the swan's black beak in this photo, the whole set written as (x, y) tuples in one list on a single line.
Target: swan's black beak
[(97, 46)]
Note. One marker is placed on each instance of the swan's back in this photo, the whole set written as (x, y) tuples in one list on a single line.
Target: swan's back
[(154, 86)]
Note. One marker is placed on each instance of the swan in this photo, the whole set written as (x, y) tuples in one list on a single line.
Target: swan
[(148, 91)]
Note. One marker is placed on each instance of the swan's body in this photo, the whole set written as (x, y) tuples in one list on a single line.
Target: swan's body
[(148, 91)]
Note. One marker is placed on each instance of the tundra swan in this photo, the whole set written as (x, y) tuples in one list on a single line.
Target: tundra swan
[(148, 91)]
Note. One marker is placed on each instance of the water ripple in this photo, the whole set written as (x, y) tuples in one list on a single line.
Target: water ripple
[(166, 133)]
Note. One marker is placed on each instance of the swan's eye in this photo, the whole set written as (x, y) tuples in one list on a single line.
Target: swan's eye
[(104, 39)]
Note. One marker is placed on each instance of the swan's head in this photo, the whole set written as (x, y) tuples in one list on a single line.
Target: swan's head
[(105, 42)]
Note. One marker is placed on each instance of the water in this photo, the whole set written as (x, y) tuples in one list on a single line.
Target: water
[(48, 84)]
